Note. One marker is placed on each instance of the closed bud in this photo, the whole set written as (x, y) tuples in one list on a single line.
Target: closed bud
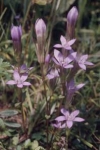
[(16, 33), (40, 29), (47, 58), (71, 21)]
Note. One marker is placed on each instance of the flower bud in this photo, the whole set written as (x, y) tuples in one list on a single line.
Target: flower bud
[(71, 21), (47, 58), (16, 33), (40, 29)]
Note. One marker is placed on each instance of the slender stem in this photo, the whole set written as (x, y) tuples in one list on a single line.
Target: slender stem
[(47, 103)]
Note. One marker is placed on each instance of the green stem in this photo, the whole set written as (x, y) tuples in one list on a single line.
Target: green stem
[(47, 103)]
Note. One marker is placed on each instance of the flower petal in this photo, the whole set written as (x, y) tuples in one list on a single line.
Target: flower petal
[(69, 124), (58, 46), (11, 82), (78, 119), (71, 41), (65, 112), (63, 40), (60, 118), (24, 77), (68, 66), (79, 86), (16, 76), (82, 66), (89, 63), (26, 83), (20, 85), (74, 114)]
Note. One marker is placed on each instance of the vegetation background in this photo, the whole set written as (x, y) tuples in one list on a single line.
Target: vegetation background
[(87, 136)]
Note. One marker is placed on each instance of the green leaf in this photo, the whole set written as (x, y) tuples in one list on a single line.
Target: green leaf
[(13, 125), (15, 140), (27, 143), (2, 125), (8, 113)]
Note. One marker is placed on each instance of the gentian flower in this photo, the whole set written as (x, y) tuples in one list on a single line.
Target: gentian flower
[(40, 29), (71, 21), (53, 74), (67, 119), (16, 33), (20, 81), (72, 88), (82, 61), (23, 69), (63, 62), (65, 44)]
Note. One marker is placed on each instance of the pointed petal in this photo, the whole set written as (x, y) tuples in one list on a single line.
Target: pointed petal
[(68, 66), (60, 118), (74, 114), (63, 40), (69, 124), (16, 76), (56, 62), (73, 55), (89, 63), (24, 77), (71, 41), (23, 67), (78, 119), (58, 46), (58, 55), (30, 68), (82, 66), (84, 58), (26, 83), (50, 76), (11, 82), (79, 86), (65, 112), (67, 47), (20, 85)]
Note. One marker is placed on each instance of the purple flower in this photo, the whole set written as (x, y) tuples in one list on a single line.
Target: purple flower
[(16, 33), (47, 58), (71, 21), (68, 119), (40, 29), (63, 62), (72, 16), (82, 61), (72, 88), (20, 81), (23, 69), (53, 74), (64, 43)]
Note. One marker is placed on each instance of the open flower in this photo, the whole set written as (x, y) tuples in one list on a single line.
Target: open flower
[(82, 61), (53, 74), (65, 44), (67, 119), (22, 70), (63, 62), (20, 81), (72, 88)]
